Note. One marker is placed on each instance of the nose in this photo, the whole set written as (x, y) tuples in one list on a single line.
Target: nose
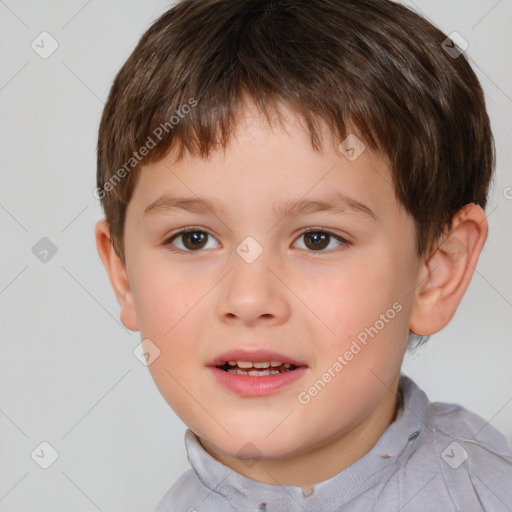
[(253, 293)]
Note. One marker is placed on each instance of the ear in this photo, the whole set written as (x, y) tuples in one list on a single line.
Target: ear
[(116, 271), (448, 271)]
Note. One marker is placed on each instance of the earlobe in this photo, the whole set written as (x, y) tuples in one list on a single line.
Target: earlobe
[(116, 271), (448, 271)]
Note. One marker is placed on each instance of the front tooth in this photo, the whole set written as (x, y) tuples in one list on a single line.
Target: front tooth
[(264, 364), (275, 363), (244, 364), (253, 372)]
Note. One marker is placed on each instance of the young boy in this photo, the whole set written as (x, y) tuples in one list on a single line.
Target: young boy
[(293, 190)]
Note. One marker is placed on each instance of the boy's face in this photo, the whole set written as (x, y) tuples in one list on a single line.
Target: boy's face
[(256, 282)]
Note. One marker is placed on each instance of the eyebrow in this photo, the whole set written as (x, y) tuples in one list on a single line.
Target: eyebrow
[(335, 202)]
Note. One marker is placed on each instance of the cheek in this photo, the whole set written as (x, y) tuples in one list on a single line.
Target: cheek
[(163, 297), (168, 306), (168, 312), (364, 301), (355, 297)]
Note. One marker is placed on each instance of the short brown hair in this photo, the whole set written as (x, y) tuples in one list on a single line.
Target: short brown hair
[(373, 65)]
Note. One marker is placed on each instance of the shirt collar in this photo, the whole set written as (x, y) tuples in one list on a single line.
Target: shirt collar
[(412, 419)]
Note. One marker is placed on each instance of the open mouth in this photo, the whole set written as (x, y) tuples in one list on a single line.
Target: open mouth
[(256, 369), (256, 373)]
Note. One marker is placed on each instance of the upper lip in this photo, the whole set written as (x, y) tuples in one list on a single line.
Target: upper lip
[(253, 356)]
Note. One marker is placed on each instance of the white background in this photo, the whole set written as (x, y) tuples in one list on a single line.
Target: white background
[(67, 372)]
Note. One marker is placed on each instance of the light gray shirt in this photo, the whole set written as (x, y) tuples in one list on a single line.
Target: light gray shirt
[(434, 457)]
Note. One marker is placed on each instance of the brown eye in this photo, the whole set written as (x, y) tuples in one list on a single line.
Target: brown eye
[(191, 240), (317, 240)]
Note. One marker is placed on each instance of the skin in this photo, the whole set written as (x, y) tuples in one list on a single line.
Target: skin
[(304, 302)]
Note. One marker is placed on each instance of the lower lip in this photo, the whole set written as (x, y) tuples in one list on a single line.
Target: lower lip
[(252, 385)]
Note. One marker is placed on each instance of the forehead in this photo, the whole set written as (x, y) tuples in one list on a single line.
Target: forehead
[(272, 166)]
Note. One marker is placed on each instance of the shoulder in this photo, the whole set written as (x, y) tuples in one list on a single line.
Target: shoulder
[(475, 459), (456, 460), (454, 422)]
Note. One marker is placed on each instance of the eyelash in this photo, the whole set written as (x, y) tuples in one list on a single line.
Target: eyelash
[(168, 241)]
